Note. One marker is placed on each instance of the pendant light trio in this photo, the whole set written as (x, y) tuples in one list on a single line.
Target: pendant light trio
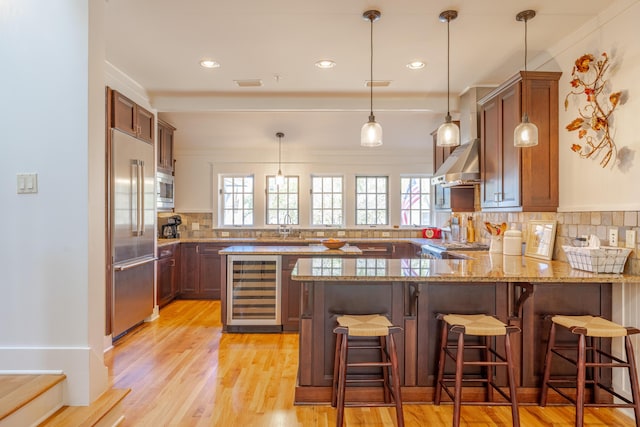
[(525, 134)]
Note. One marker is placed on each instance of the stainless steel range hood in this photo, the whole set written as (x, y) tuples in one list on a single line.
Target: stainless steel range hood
[(462, 167)]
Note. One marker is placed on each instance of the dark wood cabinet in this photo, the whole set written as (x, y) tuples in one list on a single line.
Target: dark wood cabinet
[(200, 271), (405, 250), (131, 118), (520, 179), (165, 146), (167, 273), (289, 296), (375, 250)]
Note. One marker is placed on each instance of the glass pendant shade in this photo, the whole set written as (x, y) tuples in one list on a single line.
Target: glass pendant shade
[(371, 133), (279, 178), (448, 134), (525, 134)]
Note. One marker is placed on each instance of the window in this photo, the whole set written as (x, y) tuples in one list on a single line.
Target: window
[(326, 200), (237, 200), (282, 202), (416, 200), (371, 200)]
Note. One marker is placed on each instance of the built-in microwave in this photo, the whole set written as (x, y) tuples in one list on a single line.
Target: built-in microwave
[(164, 192)]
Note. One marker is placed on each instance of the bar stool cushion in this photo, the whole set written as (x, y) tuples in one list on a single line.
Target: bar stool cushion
[(367, 325), (477, 324), (595, 326)]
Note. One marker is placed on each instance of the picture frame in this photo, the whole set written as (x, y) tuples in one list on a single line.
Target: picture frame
[(540, 238)]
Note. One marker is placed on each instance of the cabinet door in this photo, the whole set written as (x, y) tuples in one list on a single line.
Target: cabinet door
[(405, 250), (490, 154), (509, 188), (189, 269), (165, 147), (209, 271), (165, 270), (124, 114), (290, 296), (145, 124)]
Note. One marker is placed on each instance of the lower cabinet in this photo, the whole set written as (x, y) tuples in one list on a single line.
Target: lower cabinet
[(200, 271), (290, 294), (167, 273)]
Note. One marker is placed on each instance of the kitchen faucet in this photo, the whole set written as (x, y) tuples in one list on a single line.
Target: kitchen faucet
[(285, 226)]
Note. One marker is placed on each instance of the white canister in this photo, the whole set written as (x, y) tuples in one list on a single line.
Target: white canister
[(512, 242)]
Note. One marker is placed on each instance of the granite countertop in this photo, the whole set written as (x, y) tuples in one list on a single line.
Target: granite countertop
[(290, 250), (291, 240), (481, 266)]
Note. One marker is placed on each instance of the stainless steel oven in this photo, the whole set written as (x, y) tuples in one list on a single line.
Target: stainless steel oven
[(164, 191)]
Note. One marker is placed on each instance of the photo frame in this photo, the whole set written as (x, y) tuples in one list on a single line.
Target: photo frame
[(541, 236)]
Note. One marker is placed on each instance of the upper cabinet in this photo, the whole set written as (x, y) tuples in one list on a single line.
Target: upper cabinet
[(520, 179), (131, 118), (165, 146)]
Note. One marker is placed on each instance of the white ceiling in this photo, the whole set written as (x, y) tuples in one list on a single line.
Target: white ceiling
[(159, 43)]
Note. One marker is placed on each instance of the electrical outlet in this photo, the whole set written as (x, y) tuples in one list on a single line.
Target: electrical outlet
[(630, 239), (386, 234), (224, 234), (320, 233), (195, 226), (341, 234), (613, 237)]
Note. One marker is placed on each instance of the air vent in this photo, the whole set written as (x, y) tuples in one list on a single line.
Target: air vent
[(377, 83), (248, 83)]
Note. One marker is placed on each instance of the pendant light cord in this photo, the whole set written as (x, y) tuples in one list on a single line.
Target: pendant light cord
[(525, 116), (371, 66), (448, 96)]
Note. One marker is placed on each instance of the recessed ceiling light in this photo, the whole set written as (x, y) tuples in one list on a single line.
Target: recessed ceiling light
[(325, 63), (209, 63), (415, 65)]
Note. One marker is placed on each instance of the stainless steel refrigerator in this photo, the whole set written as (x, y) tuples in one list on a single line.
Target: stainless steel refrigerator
[(132, 230)]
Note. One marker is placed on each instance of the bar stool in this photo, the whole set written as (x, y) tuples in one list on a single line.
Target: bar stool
[(359, 329), (587, 328), (486, 327)]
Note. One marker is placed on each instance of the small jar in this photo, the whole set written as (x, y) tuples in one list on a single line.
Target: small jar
[(512, 242)]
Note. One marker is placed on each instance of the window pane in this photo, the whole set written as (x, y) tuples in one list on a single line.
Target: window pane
[(415, 201), (327, 199), (282, 202), (371, 200), (237, 200)]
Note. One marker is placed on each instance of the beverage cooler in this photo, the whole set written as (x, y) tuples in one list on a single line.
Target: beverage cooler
[(253, 290)]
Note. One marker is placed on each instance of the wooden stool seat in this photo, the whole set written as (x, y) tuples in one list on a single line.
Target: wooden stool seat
[(588, 354), (361, 329), (486, 327)]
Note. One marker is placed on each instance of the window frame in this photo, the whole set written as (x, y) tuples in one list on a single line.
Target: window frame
[(322, 209), (367, 194), (223, 195), (425, 183), (293, 219)]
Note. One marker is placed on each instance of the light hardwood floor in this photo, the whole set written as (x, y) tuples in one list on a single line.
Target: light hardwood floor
[(183, 371)]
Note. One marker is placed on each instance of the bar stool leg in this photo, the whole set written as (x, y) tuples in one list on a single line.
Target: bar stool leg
[(547, 365), (580, 381), (342, 380), (458, 387), (385, 370), (336, 368), (633, 378), (444, 337), (397, 394), (515, 415), (488, 369), (594, 344)]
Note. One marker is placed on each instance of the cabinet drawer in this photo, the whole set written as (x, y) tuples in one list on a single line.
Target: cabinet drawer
[(167, 251)]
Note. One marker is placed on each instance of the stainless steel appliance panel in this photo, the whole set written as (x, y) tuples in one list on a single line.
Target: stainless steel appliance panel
[(133, 198), (132, 294)]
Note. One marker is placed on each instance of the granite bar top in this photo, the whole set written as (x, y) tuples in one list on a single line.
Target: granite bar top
[(481, 267), (318, 250)]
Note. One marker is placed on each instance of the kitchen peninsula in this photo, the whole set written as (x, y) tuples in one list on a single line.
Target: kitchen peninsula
[(518, 290)]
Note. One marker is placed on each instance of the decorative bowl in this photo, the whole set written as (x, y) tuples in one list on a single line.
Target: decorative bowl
[(333, 243)]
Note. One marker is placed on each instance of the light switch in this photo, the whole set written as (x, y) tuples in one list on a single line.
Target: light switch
[(27, 183)]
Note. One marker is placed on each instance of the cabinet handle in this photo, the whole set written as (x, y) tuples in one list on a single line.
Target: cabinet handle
[(197, 249), (172, 263)]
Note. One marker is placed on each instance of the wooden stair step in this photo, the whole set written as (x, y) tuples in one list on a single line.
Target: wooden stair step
[(85, 416), (16, 391)]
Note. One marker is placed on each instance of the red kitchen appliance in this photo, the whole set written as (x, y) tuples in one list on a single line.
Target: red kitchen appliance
[(432, 233)]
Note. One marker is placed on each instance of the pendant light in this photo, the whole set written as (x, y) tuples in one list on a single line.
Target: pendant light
[(526, 133), (279, 176), (448, 132), (371, 133)]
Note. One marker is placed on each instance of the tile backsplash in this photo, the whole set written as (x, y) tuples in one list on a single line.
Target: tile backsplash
[(569, 226)]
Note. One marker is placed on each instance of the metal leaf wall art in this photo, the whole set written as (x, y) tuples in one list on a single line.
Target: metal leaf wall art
[(588, 82)]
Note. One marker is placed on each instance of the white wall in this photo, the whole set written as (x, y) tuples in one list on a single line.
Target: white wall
[(49, 283), (584, 184)]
